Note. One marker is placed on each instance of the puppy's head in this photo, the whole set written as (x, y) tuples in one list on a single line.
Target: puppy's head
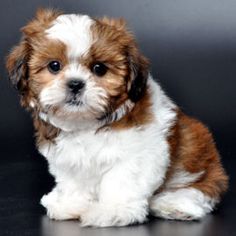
[(73, 66)]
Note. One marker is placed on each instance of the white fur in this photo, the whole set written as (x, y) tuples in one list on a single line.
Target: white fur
[(181, 204), (53, 94), (120, 112), (74, 31), (93, 103), (116, 171), (182, 179), (32, 104)]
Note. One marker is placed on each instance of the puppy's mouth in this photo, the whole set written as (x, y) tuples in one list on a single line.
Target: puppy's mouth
[(74, 101)]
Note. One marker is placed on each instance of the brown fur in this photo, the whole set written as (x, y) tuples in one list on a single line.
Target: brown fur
[(193, 150), (44, 131), (32, 41), (115, 46), (35, 52), (42, 20), (40, 57), (140, 115)]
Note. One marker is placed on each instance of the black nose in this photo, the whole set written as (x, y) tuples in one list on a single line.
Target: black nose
[(75, 86)]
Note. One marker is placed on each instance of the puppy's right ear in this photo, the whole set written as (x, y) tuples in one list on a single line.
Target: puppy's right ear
[(17, 66), (17, 61)]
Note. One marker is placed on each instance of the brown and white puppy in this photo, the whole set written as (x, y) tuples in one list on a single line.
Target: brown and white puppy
[(117, 146)]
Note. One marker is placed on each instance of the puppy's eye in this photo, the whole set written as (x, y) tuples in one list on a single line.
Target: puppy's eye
[(54, 67), (99, 69)]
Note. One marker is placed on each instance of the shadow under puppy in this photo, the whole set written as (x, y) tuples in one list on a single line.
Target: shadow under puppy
[(117, 146)]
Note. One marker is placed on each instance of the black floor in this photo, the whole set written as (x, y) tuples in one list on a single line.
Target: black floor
[(24, 179)]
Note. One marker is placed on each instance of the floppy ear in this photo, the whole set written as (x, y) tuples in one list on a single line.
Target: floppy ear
[(118, 23), (17, 65), (17, 61), (137, 64), (40, 22), (138, 74)]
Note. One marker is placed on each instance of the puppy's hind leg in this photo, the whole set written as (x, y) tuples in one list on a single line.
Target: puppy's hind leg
[(182, 204), (196, 179)]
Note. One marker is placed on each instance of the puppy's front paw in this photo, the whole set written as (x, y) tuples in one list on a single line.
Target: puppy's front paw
[(57, 209), (100, 215)]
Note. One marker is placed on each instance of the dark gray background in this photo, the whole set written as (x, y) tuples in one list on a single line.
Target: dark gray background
[(192, 48)]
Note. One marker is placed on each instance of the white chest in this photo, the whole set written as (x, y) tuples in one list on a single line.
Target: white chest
[(91, 155)]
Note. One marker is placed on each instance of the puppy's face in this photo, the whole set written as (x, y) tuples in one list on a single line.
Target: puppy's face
[(75, 66)]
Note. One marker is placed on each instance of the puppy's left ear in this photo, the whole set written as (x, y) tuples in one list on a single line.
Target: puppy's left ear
[(138, 65), (117, 23), (17, 66), (138, 74)]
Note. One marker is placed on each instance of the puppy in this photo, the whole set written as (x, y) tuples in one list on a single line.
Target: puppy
[(117, 146)]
